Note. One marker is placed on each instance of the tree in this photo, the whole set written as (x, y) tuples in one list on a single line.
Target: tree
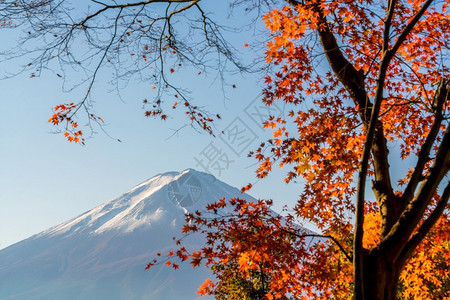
[(367, 80), (375, 75), (379, 68)]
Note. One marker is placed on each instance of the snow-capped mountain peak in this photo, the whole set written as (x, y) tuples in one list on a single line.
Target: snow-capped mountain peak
[(155, 200), (102, 253)]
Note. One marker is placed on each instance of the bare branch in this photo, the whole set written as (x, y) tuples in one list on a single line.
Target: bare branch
[(134, 39)]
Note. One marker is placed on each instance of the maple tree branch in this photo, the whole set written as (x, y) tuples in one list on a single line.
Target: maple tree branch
[(426, 226), (441, 96), (388, 22), (382, 188), (346, 254), (294, 2), (353, 81), (418, 77), (389, 207), (385, 198), (409, 27), (394, 242), (349, 256), (375, 143)]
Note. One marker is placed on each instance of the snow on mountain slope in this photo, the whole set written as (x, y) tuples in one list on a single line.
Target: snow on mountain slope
[(147, 203), (102, 253)]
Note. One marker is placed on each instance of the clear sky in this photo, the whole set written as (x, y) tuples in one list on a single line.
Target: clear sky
[(44, 180)]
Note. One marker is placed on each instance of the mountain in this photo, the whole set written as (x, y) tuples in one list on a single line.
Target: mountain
[(102, 253)]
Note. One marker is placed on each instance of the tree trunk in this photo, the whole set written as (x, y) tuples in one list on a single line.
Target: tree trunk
[(381, 278)]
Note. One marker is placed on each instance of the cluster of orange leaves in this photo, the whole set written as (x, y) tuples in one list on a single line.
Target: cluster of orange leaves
[(64, 114), (247, 241), (324, 145), (250, 237)]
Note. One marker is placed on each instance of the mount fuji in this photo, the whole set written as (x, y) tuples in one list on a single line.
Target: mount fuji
[(102, 253)]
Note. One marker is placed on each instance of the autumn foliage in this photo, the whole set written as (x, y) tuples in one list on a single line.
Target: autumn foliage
[(364, 83), (257, 254), (367, 82), (64, 114)]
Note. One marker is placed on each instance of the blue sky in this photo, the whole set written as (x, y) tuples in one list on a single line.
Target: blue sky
[(44, 180)]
